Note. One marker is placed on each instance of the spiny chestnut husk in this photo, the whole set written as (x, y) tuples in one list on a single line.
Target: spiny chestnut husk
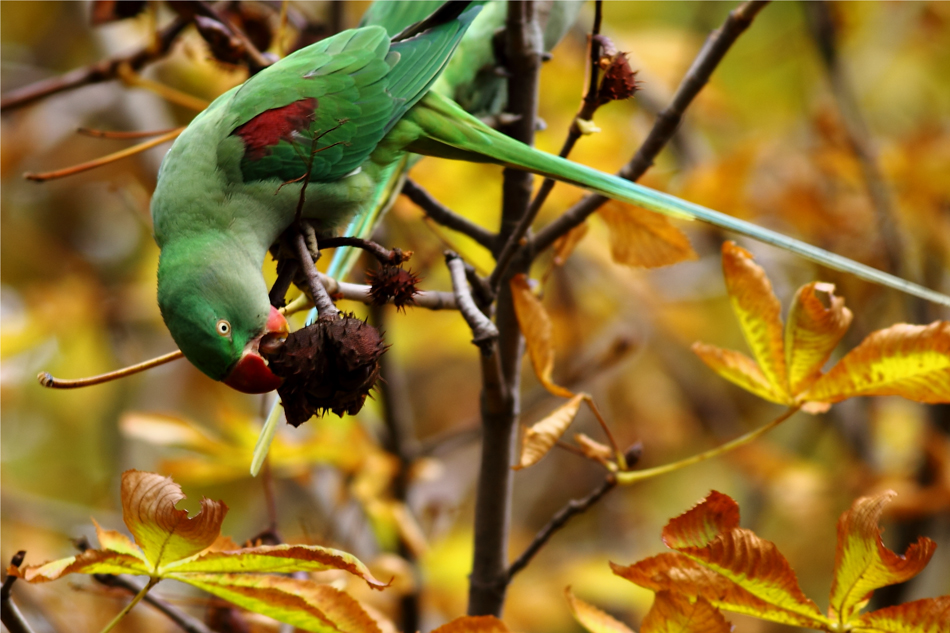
[(619, 81), (330, 365), (392, 282)]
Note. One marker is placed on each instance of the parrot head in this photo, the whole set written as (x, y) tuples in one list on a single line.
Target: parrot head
[(217, 310)]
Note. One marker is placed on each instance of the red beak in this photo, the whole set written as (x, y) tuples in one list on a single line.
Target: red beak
[(251, 373)]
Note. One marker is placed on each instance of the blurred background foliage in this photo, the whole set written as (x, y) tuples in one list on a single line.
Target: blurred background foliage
[(764, 140)]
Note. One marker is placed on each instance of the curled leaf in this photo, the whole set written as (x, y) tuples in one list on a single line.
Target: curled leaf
[(912, 361), (592, 618), (675, 613), (758, 311), (929, 615), (863, 563), (164, 533), (644, 239), (538, 333), (91, 561), (812, 333), (541, 436)]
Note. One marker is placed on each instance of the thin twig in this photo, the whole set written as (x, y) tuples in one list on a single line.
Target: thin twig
[(254, 58), (47, 380), (138, 598), (9, 613), (114, 134), (428, 299), (105, 70), (187, 623), (104, 160), (571, 509), (484, 332), (321, 299), (446, 217), (589, 105), (392, 257), (712, 53)]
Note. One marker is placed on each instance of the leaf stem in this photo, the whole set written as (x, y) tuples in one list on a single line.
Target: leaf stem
[(630, 477), (138, 598)]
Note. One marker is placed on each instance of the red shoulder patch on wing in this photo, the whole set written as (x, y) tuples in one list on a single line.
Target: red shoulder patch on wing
[(269, 127)]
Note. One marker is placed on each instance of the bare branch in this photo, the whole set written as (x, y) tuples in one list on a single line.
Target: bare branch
[(254, 58), (187, 623), (712, 53), (9, 613), (105, 70), (484, 332), (446, 217)]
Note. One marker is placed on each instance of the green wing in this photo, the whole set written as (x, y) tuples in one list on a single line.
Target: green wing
[(332, 102)]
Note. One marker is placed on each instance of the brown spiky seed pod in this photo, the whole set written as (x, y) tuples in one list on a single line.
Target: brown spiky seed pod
[(330, 365), (392, 282), (619, 81)]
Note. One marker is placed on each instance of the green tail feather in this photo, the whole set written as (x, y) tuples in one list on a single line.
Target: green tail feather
[(450, 132)]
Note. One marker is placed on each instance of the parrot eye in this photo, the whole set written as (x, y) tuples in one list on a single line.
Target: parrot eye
[(223, 328)]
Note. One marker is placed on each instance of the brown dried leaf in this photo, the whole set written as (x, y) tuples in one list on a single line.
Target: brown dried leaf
[(738, 368), (863, 563), (592, 618), (564, 246), (812, 333), (912, 361), (473, 624), (929, 615), (674, 613), (536, 326), (758, 311), (644, 239), (541, 436), (164, 533), (593, 449)]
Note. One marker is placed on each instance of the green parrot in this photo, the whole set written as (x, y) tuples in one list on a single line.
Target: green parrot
[(338, 118)]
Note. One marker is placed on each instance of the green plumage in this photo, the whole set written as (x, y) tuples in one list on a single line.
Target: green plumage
[(349, 109)]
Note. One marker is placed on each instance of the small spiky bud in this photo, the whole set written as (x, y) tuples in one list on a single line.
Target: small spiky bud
[(619, 81), (330, 365), (392, 282)]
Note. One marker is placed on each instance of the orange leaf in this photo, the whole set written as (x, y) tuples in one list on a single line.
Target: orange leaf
[(674, 613), (912, 361), (541, 436), (592, 618), (729, 566), (758, 311), (564, 246), (91, 561), (473, 624), (929, 615), (538, 332), (164, 533), (738, 368), (812, 333), (863, 563), (642, 238)]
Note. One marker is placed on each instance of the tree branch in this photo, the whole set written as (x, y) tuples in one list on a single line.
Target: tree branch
[(501, 370), (186, 622), (9, 614), (484, 332), (712, 53), (105, 70), (446, 217), (559, 520)]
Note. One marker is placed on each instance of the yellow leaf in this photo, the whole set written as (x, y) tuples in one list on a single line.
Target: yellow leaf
[(301, 603), (272, 559), (165, 534), (642, 238), (473, 624), (592, 618), (863, 563), (729, 566), (117, 542), (541, 436), (593, 449), (758, 311), (674, 613), (739, 369), (536, 326), (91, 561), (929, 615), (564, 246), (812, 333), (912, 361)]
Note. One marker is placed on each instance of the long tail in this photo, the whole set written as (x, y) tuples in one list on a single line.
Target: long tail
[(449, 131)]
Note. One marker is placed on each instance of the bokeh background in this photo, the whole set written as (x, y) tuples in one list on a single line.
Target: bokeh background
[(765, 140)]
